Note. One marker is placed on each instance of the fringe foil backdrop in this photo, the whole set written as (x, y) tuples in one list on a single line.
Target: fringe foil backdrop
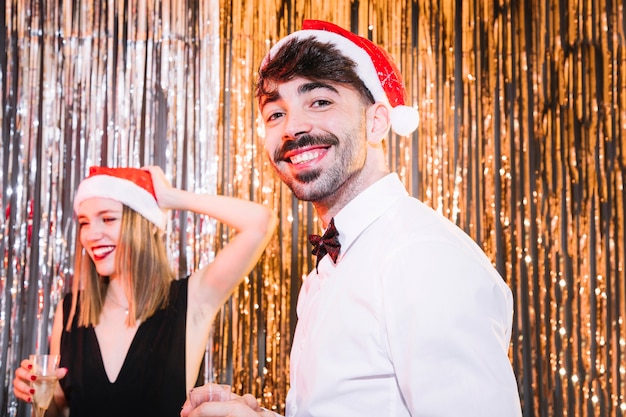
[(521, 143)]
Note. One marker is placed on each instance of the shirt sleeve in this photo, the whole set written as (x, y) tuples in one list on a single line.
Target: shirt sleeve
[(448, 317)]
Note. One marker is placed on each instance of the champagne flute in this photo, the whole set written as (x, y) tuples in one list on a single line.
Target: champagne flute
[(44, 367)]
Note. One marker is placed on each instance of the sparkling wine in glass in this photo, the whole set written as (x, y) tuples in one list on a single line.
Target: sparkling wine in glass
[(44, 367)]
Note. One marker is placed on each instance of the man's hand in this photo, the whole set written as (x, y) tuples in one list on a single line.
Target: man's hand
[(237, 406)]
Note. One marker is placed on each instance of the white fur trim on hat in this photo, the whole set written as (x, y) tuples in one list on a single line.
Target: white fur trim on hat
[(126, 192), (404, 119)]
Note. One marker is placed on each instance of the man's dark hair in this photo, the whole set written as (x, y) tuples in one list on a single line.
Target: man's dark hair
[(313, 60)]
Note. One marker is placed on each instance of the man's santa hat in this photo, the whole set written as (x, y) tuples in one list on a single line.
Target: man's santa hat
[(130, 186), (374, 66)]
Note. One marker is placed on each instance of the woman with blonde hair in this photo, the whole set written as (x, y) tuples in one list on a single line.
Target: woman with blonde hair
[(131, 336)]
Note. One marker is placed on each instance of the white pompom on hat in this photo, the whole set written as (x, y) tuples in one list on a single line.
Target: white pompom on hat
[(130, 186), (374, 66)]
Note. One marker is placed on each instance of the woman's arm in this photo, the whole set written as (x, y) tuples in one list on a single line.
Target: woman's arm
[(210, 286), (254, 223)]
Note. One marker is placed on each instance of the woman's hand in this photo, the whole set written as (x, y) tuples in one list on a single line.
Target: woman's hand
[(22, 387), (162, 187)]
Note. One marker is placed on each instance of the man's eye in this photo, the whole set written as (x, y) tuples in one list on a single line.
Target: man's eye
[(274, 116), (321, 103)]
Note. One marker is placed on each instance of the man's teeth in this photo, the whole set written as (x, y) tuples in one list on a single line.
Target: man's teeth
[(103, 250), (305, 156)]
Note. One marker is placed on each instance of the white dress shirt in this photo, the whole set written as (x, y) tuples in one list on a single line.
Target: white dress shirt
[(412, 320)]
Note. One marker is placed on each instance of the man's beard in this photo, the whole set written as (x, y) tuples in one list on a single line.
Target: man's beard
[(316, 184)]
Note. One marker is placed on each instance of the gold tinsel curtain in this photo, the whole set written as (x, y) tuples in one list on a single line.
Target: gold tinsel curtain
[(521, 143)]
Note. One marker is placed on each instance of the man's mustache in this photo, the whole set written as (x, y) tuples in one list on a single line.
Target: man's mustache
[(304, 141)]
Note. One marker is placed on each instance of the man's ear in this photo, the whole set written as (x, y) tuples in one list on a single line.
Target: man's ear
[(378, 122)]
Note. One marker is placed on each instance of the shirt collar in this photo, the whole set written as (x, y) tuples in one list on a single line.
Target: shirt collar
[(366, 207)]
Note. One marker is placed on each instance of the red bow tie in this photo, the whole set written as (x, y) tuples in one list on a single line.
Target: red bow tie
[(326, 244)]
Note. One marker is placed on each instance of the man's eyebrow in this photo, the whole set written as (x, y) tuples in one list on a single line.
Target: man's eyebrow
[(313, 85), (268, 98)]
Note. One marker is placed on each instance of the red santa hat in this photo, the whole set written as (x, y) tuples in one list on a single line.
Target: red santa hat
[(374, 66), (130, 186)]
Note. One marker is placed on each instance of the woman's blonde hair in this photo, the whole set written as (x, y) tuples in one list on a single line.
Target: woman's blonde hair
[(142, 262)]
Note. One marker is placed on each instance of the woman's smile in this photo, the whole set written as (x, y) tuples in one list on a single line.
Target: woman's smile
[(101, 252)]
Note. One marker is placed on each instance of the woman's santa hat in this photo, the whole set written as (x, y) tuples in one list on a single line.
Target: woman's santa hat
[(374, 66), (130, 186)]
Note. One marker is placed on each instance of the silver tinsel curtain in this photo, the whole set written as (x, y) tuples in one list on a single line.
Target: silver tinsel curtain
[(521, 143)]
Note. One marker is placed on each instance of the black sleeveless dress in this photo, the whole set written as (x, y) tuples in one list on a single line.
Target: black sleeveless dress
[(152, 379)]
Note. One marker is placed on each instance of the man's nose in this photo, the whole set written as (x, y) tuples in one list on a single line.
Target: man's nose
[(297, 123)]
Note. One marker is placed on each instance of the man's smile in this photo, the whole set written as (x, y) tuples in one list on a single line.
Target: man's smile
[(307, 155)]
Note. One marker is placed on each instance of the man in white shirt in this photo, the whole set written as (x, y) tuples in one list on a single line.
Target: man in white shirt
[(403, 315)]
